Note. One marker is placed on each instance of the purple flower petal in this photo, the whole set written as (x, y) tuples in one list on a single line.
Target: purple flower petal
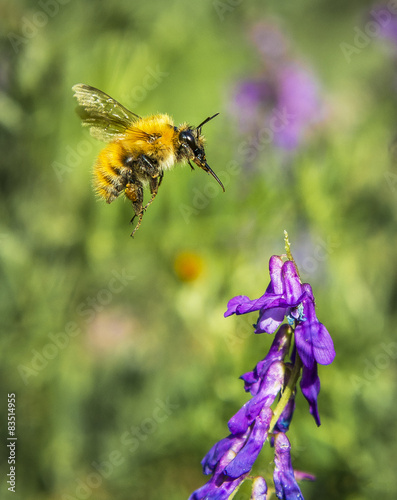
[(284, 480), (386, 22), (259, 489), (243, 304), (276, 283), (270, 387), (313, 341), (310, 386), (323, 347), (270, 320), (292, 291), (277, 352), (251, 381), (299, 104), (219, 487), (250, 93), (220, 449), (283, 293), (212, 458), (303, 476), (266, 301), (304, 344), (246, 457), (234, 303)]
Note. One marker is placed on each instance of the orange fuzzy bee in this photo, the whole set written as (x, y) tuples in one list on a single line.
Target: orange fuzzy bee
[(139, 149)]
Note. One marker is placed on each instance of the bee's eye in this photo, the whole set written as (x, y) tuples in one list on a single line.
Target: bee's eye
[(187, 137)]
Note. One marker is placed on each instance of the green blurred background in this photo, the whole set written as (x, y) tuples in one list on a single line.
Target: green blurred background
[(116, 348)]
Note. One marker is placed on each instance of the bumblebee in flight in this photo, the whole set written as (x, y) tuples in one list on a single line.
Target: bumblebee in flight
[(139, 149)]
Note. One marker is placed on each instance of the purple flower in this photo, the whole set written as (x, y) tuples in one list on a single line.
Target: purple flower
[(298, 95), (220, 486), (313, 341), (269, 41), (287, 298), (282, 296), (283, 102), (250, 96), (230, 443), (310, 387), (278, 350), (259, 489), (284, 480), (231, 459), (386, 22), (272, 385), (245, 458)]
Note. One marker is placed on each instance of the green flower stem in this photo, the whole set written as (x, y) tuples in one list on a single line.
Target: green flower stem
[(287, 393)]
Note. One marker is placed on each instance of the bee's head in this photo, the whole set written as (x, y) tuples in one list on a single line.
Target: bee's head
[(192, 147)]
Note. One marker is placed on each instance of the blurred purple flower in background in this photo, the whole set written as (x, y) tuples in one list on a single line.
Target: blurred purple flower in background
[(386, 21), (274, 379), (283, 102)]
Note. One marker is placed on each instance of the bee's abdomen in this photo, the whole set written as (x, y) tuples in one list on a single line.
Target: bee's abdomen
[(109, 173)]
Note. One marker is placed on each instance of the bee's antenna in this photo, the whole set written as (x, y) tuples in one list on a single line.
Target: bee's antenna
[(206, 121)]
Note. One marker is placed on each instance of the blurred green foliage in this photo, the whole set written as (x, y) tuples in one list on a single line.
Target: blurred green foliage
[(120, 358)]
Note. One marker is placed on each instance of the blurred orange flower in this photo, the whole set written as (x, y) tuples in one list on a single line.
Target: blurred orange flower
[(188, 266)]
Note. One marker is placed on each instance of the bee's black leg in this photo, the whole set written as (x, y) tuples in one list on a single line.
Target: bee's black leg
[(154, 183), (138, 223), (134, 187), (155, 177), (134, 192), (160, 178)]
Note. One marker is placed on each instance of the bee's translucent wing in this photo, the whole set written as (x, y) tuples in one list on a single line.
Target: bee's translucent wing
[(106, 117)]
